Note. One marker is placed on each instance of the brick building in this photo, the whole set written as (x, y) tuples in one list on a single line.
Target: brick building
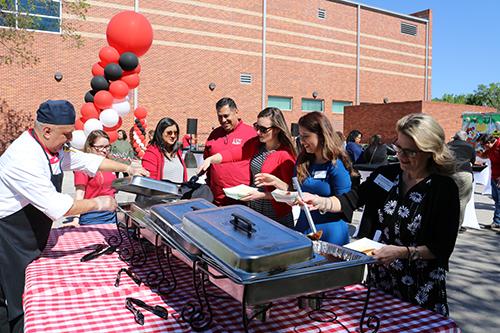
[(381, 119), (298, 55)]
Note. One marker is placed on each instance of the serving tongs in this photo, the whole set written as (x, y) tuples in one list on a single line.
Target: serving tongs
[(314, 235)]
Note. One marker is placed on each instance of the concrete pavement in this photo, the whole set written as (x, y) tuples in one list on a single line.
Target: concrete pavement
[(474, 276)]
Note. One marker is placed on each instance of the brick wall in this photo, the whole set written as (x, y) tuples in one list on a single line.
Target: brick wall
[(199, 42), (381, 119)]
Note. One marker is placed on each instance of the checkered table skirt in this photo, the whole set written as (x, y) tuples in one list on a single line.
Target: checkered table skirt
[(63, 294)]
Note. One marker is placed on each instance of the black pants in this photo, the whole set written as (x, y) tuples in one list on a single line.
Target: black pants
[(14, 326)]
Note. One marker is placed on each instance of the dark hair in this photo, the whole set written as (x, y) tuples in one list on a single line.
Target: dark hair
[(375, 140), (123, 133), (225, 101), (486, 138), (331, 146), (353, 135), (157, 139), (93, 136), (278, 121)]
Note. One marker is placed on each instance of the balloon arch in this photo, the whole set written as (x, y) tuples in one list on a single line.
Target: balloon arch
[(129, 35)]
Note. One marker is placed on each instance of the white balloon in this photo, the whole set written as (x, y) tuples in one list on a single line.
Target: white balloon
[(109, 117), (122, 108), (78, 140), (92, 125)]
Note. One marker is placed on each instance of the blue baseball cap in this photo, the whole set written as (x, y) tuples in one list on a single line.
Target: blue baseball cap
[(56, 112)]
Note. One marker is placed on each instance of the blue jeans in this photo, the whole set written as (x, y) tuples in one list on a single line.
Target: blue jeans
[(96, 217), (495, 194)]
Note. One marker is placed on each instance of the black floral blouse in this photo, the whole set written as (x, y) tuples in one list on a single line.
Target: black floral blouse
[(417, 281)]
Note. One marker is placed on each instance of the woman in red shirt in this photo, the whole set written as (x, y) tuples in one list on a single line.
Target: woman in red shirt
[(163, 157), (273, 152), (90, 187)]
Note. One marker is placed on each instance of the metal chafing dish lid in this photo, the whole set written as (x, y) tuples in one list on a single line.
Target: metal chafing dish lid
[(174, 212), (246, 239), (146, 186)]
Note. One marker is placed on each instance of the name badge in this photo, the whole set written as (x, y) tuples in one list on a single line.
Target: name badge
[(383, 182), (320, 174)]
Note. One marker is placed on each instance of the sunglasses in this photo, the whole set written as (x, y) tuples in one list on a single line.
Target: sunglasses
[(262, 129)]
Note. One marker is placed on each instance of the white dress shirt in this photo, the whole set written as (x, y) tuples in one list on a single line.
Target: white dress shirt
[(25, 177)]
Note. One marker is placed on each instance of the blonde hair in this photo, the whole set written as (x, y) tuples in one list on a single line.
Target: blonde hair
[(429, 137)]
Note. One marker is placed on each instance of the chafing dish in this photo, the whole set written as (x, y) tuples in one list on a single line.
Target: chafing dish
[(245, 239), (148, 187)]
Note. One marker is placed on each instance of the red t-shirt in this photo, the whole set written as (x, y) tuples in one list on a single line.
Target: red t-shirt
[(96, 186), (494, 156), (227, 174)]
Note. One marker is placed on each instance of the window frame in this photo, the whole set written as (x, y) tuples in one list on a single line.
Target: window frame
[(340, 101), (283, 97), (312, 99), (17, 13)]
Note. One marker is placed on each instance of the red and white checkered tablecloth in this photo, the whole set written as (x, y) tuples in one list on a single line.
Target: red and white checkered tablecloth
[(63, 294)]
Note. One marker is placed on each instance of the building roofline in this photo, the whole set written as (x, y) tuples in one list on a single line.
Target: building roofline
[(384, 11)]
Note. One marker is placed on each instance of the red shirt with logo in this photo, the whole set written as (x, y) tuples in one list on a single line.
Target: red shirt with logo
[(96, 186), (494, 156), (230, 174)]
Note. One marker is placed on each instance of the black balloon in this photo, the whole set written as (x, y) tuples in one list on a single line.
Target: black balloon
[(113, 72), (99, 83), (128, 61), (89, 96)]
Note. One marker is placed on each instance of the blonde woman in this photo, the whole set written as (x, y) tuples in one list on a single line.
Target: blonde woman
[(90, 187), (416, 207)]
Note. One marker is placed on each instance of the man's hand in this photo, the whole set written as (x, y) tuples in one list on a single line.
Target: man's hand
[(137, 170), (105, 202)]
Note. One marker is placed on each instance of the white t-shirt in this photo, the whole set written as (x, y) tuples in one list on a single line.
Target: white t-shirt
[(25, 177)]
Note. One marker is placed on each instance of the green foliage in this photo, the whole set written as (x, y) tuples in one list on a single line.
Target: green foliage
[(484, 95), (16, 40)]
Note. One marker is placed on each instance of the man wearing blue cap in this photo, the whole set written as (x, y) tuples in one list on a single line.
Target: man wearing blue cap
[(30, 199)]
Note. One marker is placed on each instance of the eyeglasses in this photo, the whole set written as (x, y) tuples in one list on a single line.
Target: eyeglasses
[(170, 133), (101, 148), (406, 152), (261, 129)]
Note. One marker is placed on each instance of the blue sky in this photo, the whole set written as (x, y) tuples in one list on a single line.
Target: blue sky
[(465, 37)]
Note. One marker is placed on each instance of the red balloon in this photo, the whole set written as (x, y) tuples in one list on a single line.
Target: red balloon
[(141, 136), (109, 54), (97, 69), (129, 31), (118, 89), (89, 111), (135, 145), (141, 154), (113, 136), (79, 124), (140, 113), (114, 128), (132, 80), (103, 99)]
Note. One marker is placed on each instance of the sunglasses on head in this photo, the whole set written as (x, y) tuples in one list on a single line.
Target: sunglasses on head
[(261, 129)]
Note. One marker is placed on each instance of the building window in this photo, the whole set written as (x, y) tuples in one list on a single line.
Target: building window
[(310, 105), (282, 103), (408, 29), (338, 106), (39, 15)]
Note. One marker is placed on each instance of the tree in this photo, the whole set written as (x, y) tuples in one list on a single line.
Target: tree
[(488, 95), (484, 95), (16, 19)]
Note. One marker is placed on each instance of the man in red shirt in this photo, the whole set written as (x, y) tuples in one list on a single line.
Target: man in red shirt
[(492, 146), (231, 132)]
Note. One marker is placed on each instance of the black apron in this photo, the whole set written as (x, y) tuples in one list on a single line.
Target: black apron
[(23, 236)]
